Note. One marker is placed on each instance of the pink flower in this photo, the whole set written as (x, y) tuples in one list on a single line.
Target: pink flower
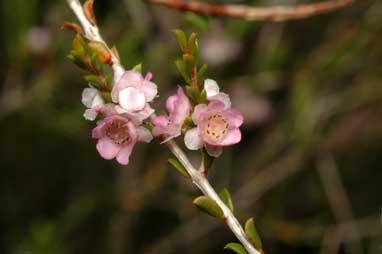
[(133, 92), (92, 99), (217, 123), (213, 92), (178, 107), (117, 136)]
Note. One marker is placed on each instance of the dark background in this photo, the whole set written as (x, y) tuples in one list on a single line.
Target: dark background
[(308, 168)]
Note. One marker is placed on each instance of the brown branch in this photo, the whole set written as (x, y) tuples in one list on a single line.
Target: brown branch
[(271, 13)]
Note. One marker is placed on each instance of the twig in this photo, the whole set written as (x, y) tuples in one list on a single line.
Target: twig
[(339, 201), (272, 13), (202, 183), (198, 178)]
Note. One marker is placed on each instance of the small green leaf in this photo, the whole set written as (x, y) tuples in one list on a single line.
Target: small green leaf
[(183, 71), (193, 46), (94, 81), (138, 68), (252, 233), (202, 70), (208, 206), (179, 167), (182, 40), (193, 93), (207, 159), (226, 198), (236, 247), (189, 61), (77, 61)]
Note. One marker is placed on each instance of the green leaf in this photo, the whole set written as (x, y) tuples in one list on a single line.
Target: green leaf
[(193, 46), (202, 70), (94, 81), (207, 159), (183, 71), (236, 247), (208, 206), (193, 93), (138, 68), (179, 167), (226, 198), (197, 20), (252, 233), (182, 39), (189, 61), (78, 61)]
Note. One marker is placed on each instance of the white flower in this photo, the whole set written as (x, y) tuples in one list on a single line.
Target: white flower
[(92, 99)]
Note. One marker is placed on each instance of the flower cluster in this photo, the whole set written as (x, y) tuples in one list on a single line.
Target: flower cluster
[(122, 124), (120, 101)]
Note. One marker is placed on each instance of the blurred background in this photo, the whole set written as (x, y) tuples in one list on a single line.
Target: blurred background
[(308, 168)]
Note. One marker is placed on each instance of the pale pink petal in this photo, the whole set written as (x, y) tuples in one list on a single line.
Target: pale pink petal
[(192, 139), (149, 89), (138, 117), (132, 99), (183, 108), (149, 76), (107, 148), (234, 117), (214, 151), (128, 79), (108, 109), (99, 130), (90, 114), (199, 109), (211, 87), (223, 97), (123, 156), (91, 98), (144, 134), (160, 120), (233, 137), (171, 103), (216, 105)]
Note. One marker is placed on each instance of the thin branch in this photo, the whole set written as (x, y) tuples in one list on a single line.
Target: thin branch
[(198, 178), (271, 13), (339, 200)]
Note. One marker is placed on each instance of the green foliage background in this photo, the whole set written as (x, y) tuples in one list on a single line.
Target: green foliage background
[(311, 93)]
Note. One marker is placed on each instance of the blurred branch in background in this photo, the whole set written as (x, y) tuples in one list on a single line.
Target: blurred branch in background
[(340, 204), (272, 13)]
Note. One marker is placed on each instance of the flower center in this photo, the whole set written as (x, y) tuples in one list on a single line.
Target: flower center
[(215, 126), (118, 132)]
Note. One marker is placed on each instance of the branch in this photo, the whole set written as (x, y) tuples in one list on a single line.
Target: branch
[(272, 13), (199, 179), (92, 33)]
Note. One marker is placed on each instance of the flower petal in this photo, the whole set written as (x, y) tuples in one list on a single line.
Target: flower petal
[(234, 117), (160, 121), (214, 151), (107, 148), (123, 156), (216, 105), (211, 87), (182, 109), (144, 134), (91, 98), (149, 89), (233, 137), (192, 139), (132, 99), (223, 97), (199, 109), (90, 114), (128, 79)]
